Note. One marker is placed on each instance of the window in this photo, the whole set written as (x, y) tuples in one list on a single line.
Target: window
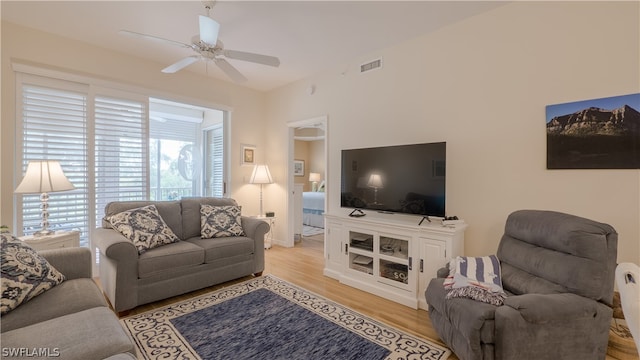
[(174, 150), (120, 144), (112, 146), (54, 128)]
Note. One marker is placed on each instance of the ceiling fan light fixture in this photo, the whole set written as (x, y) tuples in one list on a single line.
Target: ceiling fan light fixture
[(209, 29)]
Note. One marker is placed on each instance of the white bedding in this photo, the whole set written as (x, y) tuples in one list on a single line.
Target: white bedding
[(313, 209)]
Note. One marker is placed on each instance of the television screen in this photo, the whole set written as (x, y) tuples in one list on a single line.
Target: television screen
[(406, 179)]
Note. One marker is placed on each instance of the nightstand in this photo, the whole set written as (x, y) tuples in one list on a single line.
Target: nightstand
[(56, 241), (268, 237)]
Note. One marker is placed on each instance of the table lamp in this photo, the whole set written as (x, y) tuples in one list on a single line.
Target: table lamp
[(43, 177), (314, 178), (375, 181), (261, 175)]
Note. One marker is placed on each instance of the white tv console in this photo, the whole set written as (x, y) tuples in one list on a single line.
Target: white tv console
[(389, 255)]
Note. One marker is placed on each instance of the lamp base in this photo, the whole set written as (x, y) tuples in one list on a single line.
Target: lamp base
[(41, 233)]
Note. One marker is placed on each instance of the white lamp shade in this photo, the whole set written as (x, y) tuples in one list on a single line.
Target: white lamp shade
[(375, 181), (209, 29), (314, 177), (43, 177), (261, 175)]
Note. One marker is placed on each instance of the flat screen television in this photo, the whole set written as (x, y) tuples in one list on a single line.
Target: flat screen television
[(407, 179)]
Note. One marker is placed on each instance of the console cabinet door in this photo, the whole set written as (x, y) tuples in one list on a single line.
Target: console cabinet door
[(335, 256), (431, 258)]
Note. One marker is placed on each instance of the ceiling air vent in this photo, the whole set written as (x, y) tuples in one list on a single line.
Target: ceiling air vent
[(371, 65)]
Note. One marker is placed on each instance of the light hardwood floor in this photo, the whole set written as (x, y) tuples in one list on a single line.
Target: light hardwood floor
[(302, 265)]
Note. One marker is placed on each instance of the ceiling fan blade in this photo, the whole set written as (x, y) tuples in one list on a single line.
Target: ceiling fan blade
[(154, 38), (209, 29), (232, 72), (180, 64), (251, 57)]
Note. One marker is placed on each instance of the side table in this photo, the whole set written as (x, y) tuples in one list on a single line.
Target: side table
[(55, 241)]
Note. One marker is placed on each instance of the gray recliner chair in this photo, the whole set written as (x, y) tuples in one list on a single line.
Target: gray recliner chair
[(558, 273)]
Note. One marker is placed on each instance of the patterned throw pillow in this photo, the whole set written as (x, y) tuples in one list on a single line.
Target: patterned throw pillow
[(220, 221), (144, 227), (25, 274)]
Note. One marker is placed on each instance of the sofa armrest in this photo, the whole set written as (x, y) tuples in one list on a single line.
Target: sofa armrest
[(256, 229), (74, 263), (118, 268), (115, 246)]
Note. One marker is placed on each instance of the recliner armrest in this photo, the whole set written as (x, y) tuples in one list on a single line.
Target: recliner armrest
[(525, 322), (443, 272), (543, 308)]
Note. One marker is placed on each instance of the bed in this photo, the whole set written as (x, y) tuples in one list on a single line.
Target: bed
[(313, 208)]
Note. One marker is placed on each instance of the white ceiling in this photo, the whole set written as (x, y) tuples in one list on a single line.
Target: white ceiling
[(307, 36)]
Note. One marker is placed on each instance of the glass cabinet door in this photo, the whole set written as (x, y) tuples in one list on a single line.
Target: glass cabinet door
[(394, 263)]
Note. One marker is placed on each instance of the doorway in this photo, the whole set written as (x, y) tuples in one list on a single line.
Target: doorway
[(307, 193)]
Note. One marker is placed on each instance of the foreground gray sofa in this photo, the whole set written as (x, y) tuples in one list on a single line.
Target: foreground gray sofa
[(129, 279), (70, 321), (558, 273)]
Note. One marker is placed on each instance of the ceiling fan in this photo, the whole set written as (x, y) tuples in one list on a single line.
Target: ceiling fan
[(208, 47)]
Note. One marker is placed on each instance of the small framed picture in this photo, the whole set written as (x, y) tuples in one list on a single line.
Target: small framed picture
[(298, 167), (248, 155)]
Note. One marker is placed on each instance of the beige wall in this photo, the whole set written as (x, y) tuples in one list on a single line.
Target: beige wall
[(482, 85), (248, 106)]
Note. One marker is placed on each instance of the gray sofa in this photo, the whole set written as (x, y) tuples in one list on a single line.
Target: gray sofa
[(70, 321), (129, 279), (558, 274)]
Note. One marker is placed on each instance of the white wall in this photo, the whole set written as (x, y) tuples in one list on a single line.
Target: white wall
[(482, 85), (23, 44)]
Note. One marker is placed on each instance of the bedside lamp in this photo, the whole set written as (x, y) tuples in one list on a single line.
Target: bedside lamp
[(375, 181), (314, 178), (44, 177), (261, 175)]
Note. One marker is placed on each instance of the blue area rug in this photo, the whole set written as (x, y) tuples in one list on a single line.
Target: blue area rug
[(268, 318)]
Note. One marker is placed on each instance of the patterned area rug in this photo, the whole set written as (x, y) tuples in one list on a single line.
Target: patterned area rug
[(268, 318)]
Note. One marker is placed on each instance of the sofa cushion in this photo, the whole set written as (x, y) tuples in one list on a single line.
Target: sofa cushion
[(25, 274), (220, 221), (144, 227), (69, 297), (169, 258), (220, 248), (89, 334), (191, 212), (169, 211)]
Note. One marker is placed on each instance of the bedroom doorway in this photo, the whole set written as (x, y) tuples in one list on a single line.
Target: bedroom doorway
[(308, 170)]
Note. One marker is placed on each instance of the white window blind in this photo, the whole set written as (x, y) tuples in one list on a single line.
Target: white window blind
[(120, 152), (168, 129), (214, 159), (54, 128)]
